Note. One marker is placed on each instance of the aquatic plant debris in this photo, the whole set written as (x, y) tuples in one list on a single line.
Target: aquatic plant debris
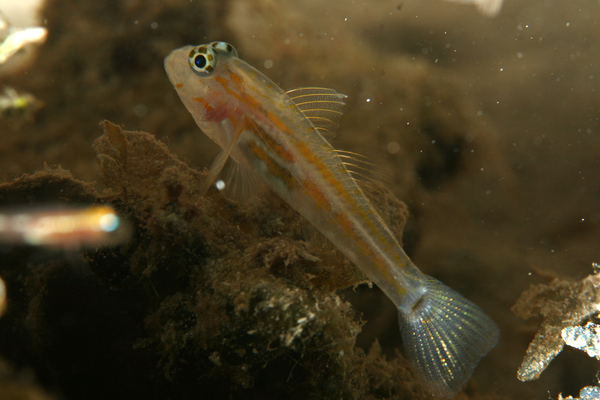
[(586, 338), (563, 305), (17, 38), (587, 393), (14, 103), (276, 135)]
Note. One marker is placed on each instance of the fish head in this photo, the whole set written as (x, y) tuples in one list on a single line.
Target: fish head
[(213, 84)]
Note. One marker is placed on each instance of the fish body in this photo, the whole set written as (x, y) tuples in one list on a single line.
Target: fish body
[(63, 227), (277, 136)]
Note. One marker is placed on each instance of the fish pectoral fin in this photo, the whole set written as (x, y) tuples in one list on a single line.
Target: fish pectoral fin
[(241, 184), (322, 106), (219, 163)]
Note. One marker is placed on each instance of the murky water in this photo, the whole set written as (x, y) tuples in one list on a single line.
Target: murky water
[(488, 129)]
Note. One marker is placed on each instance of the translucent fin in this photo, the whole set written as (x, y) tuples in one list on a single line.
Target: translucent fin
[(445, 336), (361, 167), (240, 183), (322, 106), (219, 163)]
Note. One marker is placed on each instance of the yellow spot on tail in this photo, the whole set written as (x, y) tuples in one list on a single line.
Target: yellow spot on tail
[(179, 85)]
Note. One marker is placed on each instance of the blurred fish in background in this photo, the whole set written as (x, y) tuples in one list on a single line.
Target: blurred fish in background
[(63, 227), (15, 39)]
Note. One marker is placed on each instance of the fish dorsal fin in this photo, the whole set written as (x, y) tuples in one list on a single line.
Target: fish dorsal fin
[(362, 168), (322, 106)]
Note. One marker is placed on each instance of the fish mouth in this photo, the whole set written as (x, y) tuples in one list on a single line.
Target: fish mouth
[(176, 64)]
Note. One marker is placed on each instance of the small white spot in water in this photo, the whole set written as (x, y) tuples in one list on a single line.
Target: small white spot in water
[(519, 55), (368, 100), (220, 184), (393, 147), (154, 25), (268, 64), (140, 110)]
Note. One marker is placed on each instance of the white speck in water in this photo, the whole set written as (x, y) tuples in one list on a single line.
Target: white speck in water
[(140, 110), (220, 185), (393, 147), (154, 25), (268, 64)]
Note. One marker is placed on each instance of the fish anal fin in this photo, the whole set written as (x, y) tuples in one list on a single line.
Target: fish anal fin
[(322, 106)]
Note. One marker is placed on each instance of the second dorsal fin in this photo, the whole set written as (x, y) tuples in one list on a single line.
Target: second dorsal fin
[(322, 106)]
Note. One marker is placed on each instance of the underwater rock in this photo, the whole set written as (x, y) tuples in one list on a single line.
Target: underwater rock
[(564, 306), (210, 296)]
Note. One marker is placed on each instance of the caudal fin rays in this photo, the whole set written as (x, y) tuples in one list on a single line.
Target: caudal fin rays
[(444, 337)]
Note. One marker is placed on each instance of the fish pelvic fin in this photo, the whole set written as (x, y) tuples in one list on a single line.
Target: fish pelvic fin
[(445, 336)]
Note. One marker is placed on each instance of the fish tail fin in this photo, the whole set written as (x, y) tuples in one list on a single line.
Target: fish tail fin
[(445, 336)]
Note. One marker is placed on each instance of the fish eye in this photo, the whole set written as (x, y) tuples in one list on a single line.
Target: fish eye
[(203, 60), (224, 46)]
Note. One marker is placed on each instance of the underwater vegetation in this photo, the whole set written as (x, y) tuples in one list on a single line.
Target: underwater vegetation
[(207, 295), (567, 309)]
